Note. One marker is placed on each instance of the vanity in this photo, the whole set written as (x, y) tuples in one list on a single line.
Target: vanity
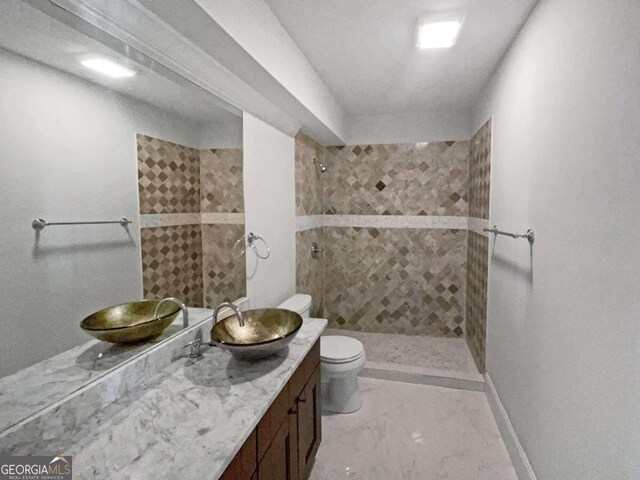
[(164, 414), (287, 437)]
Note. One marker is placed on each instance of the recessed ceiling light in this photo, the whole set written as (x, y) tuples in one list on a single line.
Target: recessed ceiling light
[(437, 34), (107, 67)]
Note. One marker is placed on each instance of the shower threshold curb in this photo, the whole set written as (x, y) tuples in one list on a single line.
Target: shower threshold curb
[(423, 379)]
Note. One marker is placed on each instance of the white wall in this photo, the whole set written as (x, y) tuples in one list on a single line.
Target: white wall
[(563, 346), (431, 126), (67, 152), (254, 26), (269, 200), (226, 133)]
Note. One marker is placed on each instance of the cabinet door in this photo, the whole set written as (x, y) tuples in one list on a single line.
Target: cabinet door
[(293, 441), (309, 424), (276, 464), (234, 470)]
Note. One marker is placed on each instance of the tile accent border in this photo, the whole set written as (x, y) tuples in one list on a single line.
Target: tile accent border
[(396, 221), (175, 219), (477, 224), (223, 218), (519, 459), (308, 222), (381, 221), (150, 221)]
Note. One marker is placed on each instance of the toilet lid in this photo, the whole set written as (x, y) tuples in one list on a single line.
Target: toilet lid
[(298, 303), (339, 349)]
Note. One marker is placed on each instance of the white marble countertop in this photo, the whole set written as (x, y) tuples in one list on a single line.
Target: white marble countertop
[(34, 388), (190, 419)]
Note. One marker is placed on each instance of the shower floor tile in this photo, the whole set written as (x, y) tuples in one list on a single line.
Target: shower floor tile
[(408, 432), (434, 356)]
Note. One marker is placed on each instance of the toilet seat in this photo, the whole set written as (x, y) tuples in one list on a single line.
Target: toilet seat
[(337, 349)]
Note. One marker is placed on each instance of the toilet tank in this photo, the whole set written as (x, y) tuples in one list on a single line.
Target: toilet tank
[(299, 303)]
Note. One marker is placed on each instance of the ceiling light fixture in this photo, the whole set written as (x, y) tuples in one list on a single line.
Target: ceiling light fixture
[(437, 33), (107, 67)]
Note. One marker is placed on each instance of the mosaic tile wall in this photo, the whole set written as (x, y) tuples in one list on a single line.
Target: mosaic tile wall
[(409, 281), (478, 245), (308, 176), (189, 201), (310, 271), (309, 185), (397, 280), (168, 177), (476, 314), (224, 267), (480, 172), (172, 263), (221, 180), (398, 179)]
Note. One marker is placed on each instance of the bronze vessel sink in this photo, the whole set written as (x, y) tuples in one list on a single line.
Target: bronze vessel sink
[(265, 332), (131, 322)]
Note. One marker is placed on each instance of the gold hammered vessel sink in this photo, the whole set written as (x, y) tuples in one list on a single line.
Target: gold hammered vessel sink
[(131, 322), (265, 332)]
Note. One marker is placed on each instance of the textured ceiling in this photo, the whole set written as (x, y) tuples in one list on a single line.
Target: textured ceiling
[(364, 50)]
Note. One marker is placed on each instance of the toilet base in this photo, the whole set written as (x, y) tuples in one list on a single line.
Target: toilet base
[(341, 395)]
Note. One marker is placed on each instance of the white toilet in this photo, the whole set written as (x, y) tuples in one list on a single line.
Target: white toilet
[(341, 359), (299, 303)]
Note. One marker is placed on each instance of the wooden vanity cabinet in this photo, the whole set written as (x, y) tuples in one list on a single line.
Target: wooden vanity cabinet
[(309, 424), (286, 440)]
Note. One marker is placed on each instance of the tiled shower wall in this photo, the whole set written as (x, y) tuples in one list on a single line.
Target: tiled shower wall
[(477, 244), (309, 194), (398, 254), (404, 179), (396, 280), (408, 279), (191, 206)]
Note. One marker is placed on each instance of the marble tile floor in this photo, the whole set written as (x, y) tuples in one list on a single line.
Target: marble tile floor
[(417, 356), (413, 432)]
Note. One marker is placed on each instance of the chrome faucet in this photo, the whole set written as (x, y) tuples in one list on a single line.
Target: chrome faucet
[(233, 307), (185, 313)]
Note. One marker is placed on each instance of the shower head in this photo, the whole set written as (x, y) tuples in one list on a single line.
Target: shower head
[(320, 166)]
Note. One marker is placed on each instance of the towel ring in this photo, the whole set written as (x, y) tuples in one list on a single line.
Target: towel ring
[(251, 241)]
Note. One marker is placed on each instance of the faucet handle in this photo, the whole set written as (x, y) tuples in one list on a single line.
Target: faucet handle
[(194, 351)]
